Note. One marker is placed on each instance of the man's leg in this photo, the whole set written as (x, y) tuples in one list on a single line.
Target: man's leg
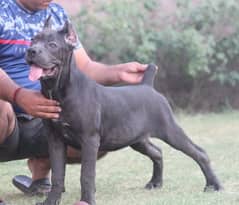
[(40, 183), (7, 120), (39, 168), (33, 145), (7, 124), (10, 144), (2, 202), (12, 140)]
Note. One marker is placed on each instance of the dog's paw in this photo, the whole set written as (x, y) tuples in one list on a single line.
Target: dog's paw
[(152, 185), (213, 187), (49, 202), (43, 203), (40, 203), (81, 203)]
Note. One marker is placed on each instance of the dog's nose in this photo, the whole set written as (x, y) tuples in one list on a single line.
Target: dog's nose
[(31, 52)]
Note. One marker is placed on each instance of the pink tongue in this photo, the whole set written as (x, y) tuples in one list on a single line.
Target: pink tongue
[(35, 73)]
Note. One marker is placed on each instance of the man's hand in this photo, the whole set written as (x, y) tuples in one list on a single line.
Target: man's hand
[(35, 104), (132, 72)]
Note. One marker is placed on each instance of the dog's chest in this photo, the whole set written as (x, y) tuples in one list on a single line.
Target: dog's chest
[(65, 132)]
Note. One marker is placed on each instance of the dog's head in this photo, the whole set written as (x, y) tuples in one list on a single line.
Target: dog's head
[(50, 50)]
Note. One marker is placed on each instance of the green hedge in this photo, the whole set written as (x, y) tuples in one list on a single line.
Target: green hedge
[(197, 48)]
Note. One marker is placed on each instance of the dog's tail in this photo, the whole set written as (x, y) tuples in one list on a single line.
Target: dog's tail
[(149, 74)]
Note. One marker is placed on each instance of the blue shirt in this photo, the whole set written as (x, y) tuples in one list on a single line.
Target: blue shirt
[(17, 28)]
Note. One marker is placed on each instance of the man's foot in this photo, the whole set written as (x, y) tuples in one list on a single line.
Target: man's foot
[(29, 187), (1, 202)]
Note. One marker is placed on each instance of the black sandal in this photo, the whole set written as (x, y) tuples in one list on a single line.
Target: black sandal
[(2, 202), (31, 188)]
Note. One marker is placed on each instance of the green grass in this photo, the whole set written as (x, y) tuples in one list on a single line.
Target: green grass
[(122, 175)]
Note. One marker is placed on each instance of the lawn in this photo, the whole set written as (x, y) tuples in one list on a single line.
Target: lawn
[(122, 175)]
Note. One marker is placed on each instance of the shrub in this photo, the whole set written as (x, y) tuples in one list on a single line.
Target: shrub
[(116, 31), (197, 48)]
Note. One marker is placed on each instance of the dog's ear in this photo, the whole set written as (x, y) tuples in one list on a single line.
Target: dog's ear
[(47, 24), (70, 34)]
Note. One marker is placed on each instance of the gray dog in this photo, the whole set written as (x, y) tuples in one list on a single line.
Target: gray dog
[(97, 118)]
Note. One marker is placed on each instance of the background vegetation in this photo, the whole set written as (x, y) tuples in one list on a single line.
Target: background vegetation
[(197, 51), (122, 175), (197, 48)]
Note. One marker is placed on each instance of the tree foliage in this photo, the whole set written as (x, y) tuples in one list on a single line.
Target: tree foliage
[(197, 47)]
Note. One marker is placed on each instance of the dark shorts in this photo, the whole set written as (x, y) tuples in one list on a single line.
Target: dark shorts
[(27, 140)]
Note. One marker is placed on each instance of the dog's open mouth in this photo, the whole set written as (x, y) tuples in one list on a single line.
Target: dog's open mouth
[(37, 72)]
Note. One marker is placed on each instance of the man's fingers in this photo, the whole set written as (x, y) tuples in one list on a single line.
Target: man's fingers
[(143, 67), (41, 100), (48, 109), (48, 115), (137, 67), (48, 102)]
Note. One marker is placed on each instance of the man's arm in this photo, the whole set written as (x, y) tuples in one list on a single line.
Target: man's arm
[(34, 103), (128, 72), (7, 87)]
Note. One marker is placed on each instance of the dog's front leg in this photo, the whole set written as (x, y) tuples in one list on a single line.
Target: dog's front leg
[(90, 147), (57, 153)]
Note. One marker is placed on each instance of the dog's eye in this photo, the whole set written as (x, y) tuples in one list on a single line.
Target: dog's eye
[(52, 45), (33, 40)]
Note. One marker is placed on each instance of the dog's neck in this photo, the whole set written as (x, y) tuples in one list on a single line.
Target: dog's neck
[(52, 86)]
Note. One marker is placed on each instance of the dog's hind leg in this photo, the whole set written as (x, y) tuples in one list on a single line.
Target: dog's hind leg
[(175, 136), (145, 147)]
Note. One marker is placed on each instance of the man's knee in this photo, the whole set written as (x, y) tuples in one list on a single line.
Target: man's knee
[(7, 120), (74, 155)]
